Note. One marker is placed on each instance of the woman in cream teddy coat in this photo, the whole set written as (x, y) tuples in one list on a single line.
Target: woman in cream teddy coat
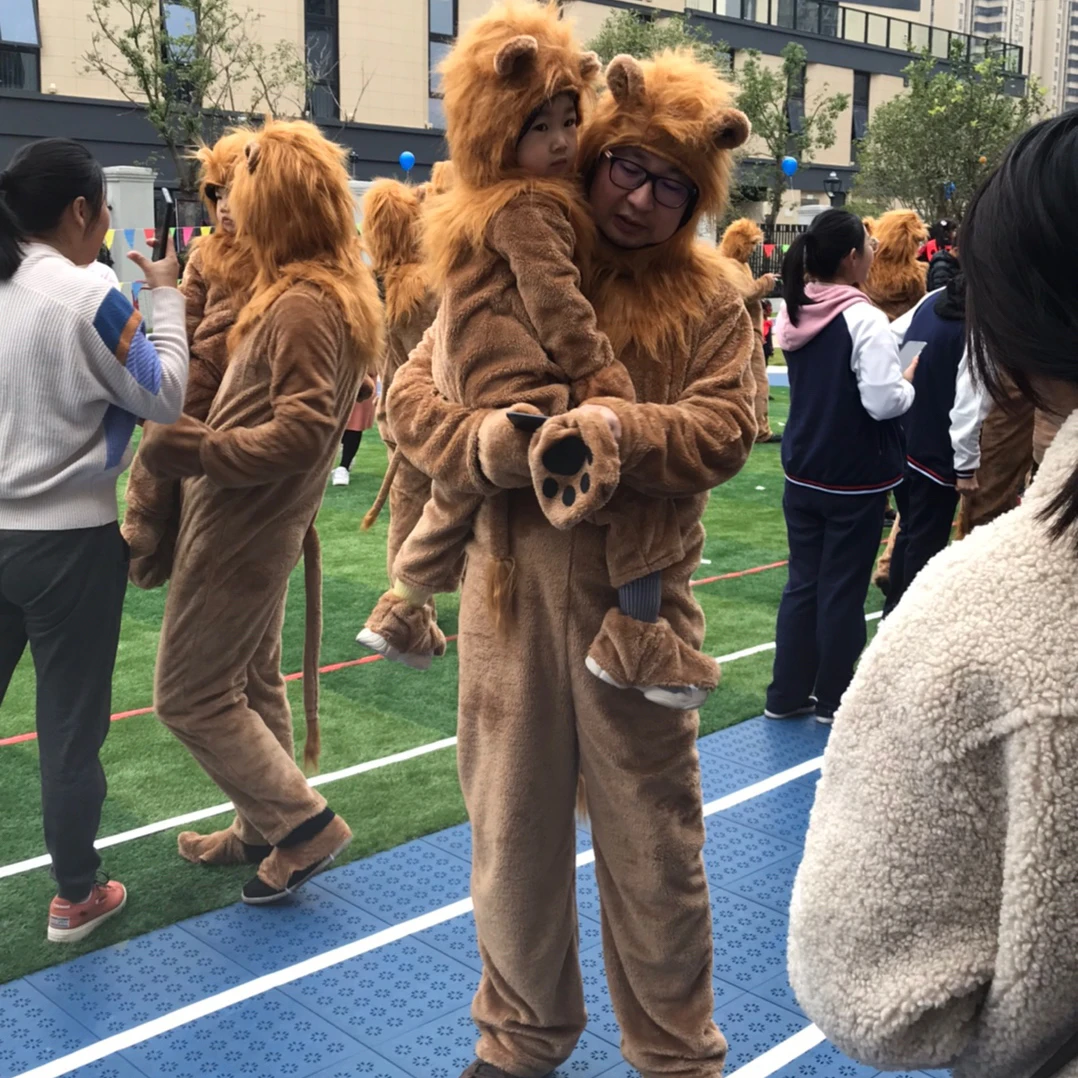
[(935, 916)]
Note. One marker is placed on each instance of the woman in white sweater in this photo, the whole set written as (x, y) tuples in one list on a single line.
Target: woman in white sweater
[(934, 920), (77, 371)]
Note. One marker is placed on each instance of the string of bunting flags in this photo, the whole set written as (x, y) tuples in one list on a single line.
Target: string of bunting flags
[(770, 248)]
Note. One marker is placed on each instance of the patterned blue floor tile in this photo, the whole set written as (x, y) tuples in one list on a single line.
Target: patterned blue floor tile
[(402, 883), (732, 852), (269, 1035), (771, 886), (826, 1061), (457, 939), (367, 1064), (720, 776), (442, 1049), (779, 992), (768, 746), (587, 894), (752, 1026), (267, 938), (112, 1067), (725, 993), (601, 1020), (384, 994), (782, 813), (750, 940), (122, 986), (33, 1030)]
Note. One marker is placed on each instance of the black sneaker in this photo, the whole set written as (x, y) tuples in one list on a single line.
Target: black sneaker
[(807, 708), (773, 439), (825, 715), (256, 892)]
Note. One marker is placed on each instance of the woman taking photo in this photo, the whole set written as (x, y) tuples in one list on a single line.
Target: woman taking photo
[(77, 372), (935, 917), (841, 452)]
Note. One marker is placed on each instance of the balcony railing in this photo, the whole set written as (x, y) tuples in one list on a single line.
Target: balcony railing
[(830, 19)]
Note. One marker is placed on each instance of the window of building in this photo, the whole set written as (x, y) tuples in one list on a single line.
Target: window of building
[(862, 82), (20, 46), (795, 100), (441, 29), (322, 40)]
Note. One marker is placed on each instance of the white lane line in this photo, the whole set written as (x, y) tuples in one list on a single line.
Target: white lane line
[(44, 860), (120, 1042), (216, 810), (777, 1057)]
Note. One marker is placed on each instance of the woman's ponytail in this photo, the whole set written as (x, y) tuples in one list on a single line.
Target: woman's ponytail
[(11, 237), (793, 278), (42, 180)]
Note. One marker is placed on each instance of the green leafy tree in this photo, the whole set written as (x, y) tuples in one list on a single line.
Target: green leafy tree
[(625, 33), (783, 120), (194, 66), (931, 147)]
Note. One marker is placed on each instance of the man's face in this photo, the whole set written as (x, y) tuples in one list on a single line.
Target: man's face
[(641, 216)]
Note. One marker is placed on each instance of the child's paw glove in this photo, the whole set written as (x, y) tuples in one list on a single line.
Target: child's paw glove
[(503, 449), (575, 466)]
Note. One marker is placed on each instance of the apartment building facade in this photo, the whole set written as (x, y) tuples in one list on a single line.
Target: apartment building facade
[(376, 85)]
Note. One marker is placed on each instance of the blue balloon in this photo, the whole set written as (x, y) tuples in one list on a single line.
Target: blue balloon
[(789, 165), (407, 160)]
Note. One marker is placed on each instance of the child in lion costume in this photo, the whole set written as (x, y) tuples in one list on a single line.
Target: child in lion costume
[(503, 241), (254, 472), (738, 243), (896, 282)]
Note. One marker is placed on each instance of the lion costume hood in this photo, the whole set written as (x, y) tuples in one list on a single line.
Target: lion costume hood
[(391, 235), (295, 210), (503, 68), (896, 281), (225, 258), (679, 109)]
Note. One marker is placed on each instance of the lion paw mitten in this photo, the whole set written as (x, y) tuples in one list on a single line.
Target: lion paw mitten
[(403, 629), (575, 467)]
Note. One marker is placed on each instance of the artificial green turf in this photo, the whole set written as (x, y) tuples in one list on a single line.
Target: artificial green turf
[(368, 712)]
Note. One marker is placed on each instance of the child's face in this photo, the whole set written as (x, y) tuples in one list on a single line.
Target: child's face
[(548, 147)]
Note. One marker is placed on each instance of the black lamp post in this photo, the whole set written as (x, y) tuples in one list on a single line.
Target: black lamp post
[(353, 161), (833, 186)]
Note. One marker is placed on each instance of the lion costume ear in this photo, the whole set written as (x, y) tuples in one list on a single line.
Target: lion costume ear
[(590, 65), (625, 77), (515, 56), (252, 151), (732, 129)]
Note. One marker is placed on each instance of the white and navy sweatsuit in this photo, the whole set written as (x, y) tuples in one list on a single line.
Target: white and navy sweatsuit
[(942, 436), (842, 451)]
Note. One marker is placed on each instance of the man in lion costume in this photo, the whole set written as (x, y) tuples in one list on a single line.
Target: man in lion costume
[(254, 472), (532, 718), (738, 243)]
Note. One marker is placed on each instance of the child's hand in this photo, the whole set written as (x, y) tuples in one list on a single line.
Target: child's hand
[(911, 370), (967, 486)]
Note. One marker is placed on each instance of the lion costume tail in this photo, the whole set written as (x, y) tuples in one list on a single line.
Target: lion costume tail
[(312, 581), (383, 492)]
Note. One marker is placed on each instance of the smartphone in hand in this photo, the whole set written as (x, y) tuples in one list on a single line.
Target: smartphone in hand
[(526, 421), (160, 240)]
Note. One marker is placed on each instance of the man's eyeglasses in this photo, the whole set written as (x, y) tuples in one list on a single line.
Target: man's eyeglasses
[(628, 175)]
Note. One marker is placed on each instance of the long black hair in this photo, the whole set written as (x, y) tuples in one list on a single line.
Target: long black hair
[(818, 252), (41, 181), (1018, 238)]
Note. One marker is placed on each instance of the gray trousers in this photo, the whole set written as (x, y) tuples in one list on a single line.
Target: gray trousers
[(63, 593)]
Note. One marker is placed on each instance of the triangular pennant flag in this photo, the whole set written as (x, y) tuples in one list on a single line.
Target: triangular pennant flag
[(205, 230), (110, 237), (150, 234), (769, 250), (188, 232), (136, 288), (129, 235), (785, 248)]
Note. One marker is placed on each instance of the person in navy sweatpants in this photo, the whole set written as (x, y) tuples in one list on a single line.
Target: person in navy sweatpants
[(842, 452), (942, 432)]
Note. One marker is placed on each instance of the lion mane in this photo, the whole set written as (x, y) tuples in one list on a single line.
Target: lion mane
[(679, 109), (294, 208), (896, 282)]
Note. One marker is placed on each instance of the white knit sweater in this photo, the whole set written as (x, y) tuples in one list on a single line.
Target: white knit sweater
[(77, 371), (934, 920)]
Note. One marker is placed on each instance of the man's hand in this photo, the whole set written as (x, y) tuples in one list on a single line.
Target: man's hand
[(967, 486), (608, 414)]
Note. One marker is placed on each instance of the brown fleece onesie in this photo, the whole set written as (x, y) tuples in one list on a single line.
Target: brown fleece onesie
[(531, 715)]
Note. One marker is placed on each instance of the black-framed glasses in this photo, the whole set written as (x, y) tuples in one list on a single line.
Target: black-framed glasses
[(628, 175)]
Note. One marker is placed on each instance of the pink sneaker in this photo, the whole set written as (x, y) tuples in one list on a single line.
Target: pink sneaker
[(70, 922)]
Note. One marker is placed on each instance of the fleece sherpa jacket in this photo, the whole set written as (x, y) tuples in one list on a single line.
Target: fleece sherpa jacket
[(934, 920)]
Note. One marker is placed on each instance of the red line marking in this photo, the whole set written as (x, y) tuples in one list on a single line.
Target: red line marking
[(740, 572)]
